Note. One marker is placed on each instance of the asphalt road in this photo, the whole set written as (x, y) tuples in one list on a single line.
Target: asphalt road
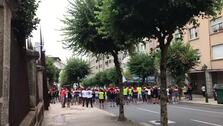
[(179, 114)]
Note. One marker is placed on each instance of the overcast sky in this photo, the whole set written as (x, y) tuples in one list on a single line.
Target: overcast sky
[(50, 13)]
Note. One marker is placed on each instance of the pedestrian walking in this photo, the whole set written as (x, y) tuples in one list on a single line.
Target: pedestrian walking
[(125, 94), (144, 95), (189, 91), (84, 96), (63, 97), (135, 95), (149, 93), (68, 97), (101, 97), (111, 93), (89, 97), (139, 89), (203, 90)]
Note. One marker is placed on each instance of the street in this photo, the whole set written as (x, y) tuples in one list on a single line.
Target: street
[(179, 114)]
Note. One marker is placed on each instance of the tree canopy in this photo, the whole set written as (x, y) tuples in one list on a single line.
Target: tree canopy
[(25, 21), (74, 70), (142, 65), (85, 33), (157, 19), (102, 78), (82, 32), (181, 58), (51, 71)]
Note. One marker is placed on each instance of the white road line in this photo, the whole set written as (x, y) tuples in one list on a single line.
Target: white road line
[(212, 124), (200, 110), (147, 110), (145, 124)]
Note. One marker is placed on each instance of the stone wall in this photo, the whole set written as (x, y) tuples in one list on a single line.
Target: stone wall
[(5, 41)]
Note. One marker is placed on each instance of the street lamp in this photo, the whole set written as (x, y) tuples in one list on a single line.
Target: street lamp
[(204, 68)]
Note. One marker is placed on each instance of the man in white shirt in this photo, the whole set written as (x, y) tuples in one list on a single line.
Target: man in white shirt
[(203, 89), (89, 97), (84, 96)]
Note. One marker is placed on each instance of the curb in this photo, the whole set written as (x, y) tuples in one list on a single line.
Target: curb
[(219, 105), (105, 112), (132, 121)]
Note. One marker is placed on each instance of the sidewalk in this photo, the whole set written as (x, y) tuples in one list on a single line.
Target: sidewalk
[(199, 99), (81, 116)]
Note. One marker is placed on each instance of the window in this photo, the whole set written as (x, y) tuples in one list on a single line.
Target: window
[(216, 25), (193, 33), (106, 63), (177, 35), (217, 52)]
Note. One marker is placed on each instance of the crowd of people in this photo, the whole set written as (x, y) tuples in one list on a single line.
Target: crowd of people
[(131, 94)]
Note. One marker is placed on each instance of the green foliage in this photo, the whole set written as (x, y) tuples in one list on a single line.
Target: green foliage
[(150, 18), (102, 78), (82, 30), (181, 58), (142, 65), (63, 78), (158, 19), (75, 69), (127, 74), (25, 20), (51, 71), (89, 82)]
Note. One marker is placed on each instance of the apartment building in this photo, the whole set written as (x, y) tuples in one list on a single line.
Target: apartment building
[(207, 38), (102, 63)]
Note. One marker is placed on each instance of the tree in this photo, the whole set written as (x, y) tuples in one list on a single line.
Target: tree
[(51, 71), (25, 20), (84, 33), (127, 74), (74, 71), (89, 82), (157, 19), (102, 78), (142, 65), (181, 58)]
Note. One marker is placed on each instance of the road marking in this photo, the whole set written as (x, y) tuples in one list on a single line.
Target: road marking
[(200, 110), (157, 122), (212, 124), (142, 109), (144, 124)]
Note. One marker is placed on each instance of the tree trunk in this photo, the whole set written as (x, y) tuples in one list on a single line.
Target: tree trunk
[(163, 86), (121, 116)]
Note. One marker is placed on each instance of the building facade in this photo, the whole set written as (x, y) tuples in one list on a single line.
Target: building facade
[(207, 38), (102, 63)]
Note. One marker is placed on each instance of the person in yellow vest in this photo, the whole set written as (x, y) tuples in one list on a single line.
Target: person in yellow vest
[(130, 94), (125, 94), (139, 89), (101, 97)]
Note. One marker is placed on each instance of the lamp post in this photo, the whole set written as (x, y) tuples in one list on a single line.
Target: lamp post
[(204, 68)]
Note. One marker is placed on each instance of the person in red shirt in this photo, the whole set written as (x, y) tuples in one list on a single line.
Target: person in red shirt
[(111, 96), (135, 95), (63, 97)]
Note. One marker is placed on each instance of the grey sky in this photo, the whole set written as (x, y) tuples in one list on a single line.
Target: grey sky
[(50, 12)]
